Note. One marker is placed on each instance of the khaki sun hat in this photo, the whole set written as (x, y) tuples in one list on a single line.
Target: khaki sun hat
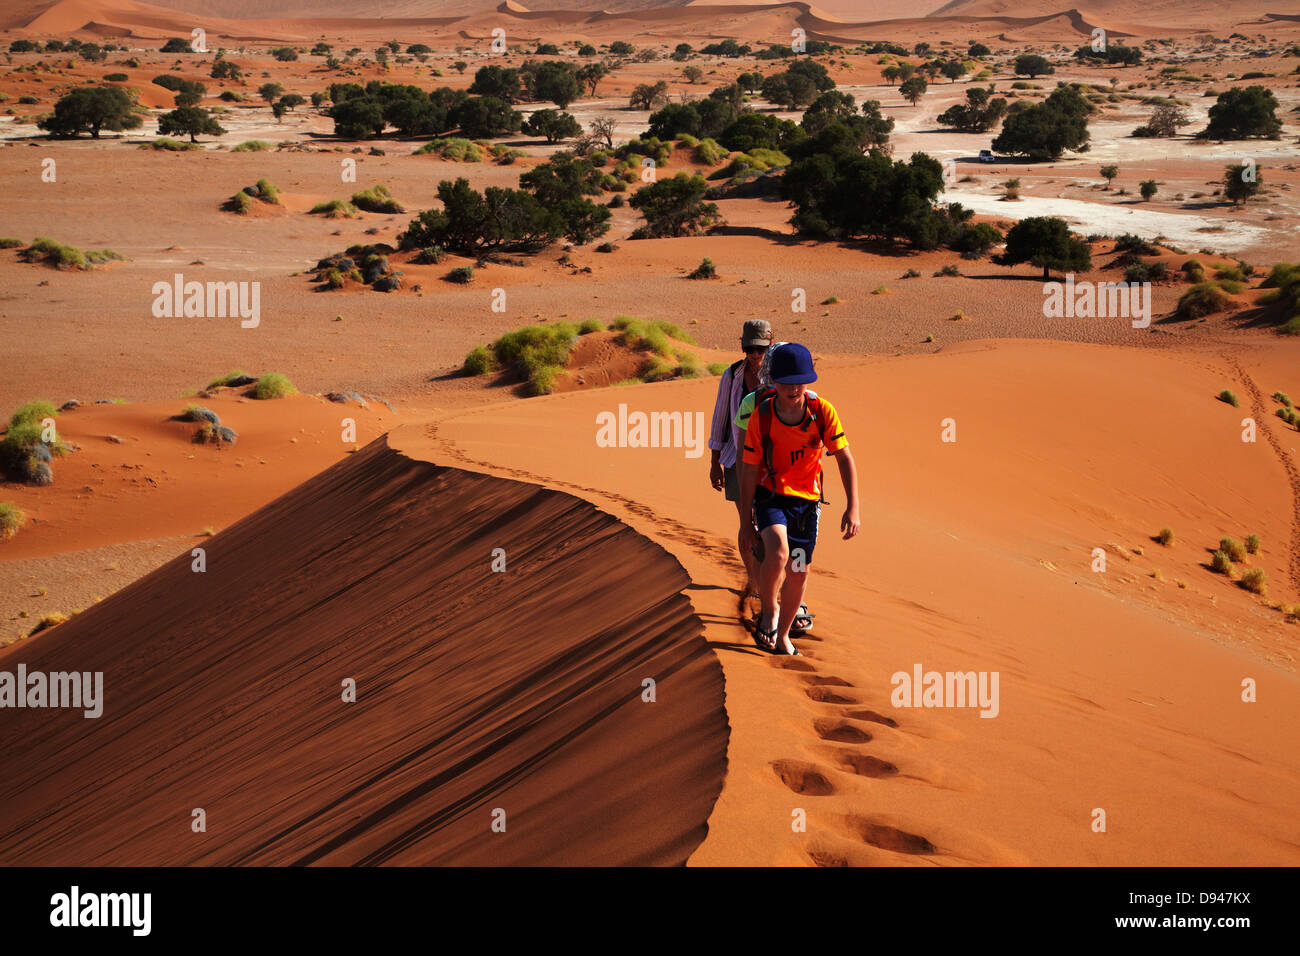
[(756, 332)]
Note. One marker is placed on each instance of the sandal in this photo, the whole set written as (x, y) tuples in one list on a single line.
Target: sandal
[(766, 640), (803, 621)]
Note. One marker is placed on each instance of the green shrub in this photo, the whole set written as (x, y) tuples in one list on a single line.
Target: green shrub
[(251, 146), (1234, 549), (1166, 536), (1134, 244), (34, 411), (708, 152), (948, 270), (11, 519), (461, 275), (590, 325), (1255, 580), (60, 256), (377, 199), (689, 365), (1283, 398), (717, 368), (1194, 271), (705, 270), (10, 243), (241, 202), (537, 352), (171, 145), (1227, 395), (453, 149), (1252, 544), (649, 336), (430, 256), (655, 369), (273, 385), (335, 209), (478, 361), (268, 191), (542, 379), (231, 376), (1202, 299), (1221, 564)]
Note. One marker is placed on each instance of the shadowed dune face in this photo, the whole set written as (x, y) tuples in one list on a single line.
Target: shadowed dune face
[(475, 691)]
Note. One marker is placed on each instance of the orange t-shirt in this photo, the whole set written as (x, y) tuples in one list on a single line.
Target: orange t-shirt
[(796, 450)]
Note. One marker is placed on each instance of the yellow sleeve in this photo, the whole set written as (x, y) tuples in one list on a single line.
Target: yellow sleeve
[(833, 436)]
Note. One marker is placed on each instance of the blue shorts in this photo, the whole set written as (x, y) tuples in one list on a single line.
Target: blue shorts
[(800, 516)]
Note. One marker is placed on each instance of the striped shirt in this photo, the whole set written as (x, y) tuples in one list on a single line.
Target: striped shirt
[(725, 436)]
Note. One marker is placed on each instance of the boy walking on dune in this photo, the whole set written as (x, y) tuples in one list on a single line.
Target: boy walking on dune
[(781, 488)]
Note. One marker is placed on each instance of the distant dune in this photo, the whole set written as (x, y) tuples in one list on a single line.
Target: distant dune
[(222, 690), (846, 21)]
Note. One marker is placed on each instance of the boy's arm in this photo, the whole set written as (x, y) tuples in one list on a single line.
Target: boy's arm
[(850, 523)]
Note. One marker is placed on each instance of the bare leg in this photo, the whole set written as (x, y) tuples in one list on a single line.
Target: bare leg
[(791, 597), (751, 562), (776, 554)]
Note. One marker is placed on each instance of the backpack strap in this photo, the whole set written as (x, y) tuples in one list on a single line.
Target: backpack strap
[(763, 407)]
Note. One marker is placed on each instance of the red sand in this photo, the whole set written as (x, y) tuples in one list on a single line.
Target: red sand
[(222, 691)]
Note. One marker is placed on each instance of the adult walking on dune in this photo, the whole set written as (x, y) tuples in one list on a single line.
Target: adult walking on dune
[(726, 437), (787, 434)]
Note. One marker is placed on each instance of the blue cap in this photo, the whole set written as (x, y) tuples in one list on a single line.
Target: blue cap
[(792, 364)]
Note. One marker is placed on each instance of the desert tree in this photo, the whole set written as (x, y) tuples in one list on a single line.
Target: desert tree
[(1244, 113), (191, 121), (602, 130), (1045, 241), (1241, 182), (913, 89), (91, 109), (648, 96), (674, 207), (553, 124), (1032, 65)]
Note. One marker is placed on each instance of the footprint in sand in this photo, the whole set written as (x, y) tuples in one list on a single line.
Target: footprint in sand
[(872, 716), (805, 778), (840, 731), (821, 857), (827, 681), (791, 664), (827, 695), (865, 765), (890, 838)]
